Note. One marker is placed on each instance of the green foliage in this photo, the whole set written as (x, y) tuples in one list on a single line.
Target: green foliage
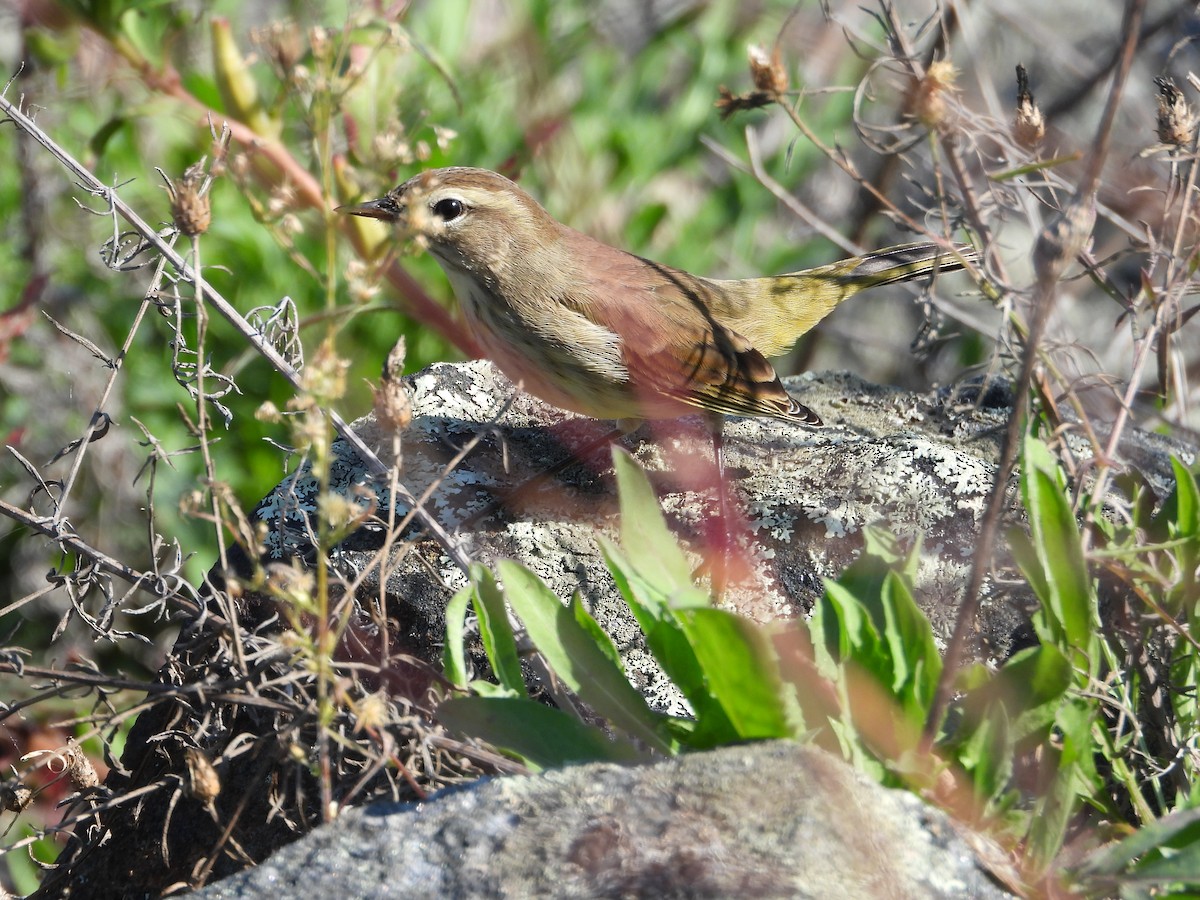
[(1161, 859), (725, 666), (869, 687), (1051, 557), (542, 736), (867, 624)]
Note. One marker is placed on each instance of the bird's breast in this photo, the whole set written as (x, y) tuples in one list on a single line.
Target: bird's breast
[(553, 351)]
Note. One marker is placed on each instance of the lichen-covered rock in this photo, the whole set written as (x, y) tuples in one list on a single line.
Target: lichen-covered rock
[(920, 465)]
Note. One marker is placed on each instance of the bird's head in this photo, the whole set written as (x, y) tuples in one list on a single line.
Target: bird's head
[(471, 220)]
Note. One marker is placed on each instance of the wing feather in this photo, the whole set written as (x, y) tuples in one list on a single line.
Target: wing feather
[(674, 347)]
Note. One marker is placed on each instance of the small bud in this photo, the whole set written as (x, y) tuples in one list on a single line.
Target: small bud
[(290, 582), (283, 43), (15, 797), (291, 224), (767, 72), (268, 412), (190, 206), (362, 281), (1029, 126), (338, 510), (371, 712), (319, 41), (392, 148), (1176, 120), (393, 398), (928, 98), (203, 782)]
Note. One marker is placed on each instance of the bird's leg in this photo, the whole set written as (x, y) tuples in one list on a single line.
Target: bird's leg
[(722, 535)]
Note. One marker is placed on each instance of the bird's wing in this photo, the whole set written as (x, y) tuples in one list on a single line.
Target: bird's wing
[(716, 370), (674, 347)]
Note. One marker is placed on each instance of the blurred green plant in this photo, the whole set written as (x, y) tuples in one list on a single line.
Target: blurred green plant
[(1020, 754)]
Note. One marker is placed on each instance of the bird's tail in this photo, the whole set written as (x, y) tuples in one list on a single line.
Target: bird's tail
[(903, 262), (773, 312)]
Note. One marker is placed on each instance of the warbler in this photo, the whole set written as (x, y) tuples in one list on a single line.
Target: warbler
[(605, 333)]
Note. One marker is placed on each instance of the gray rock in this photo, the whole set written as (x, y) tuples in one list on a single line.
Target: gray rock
[(921, 465), (764, 820)]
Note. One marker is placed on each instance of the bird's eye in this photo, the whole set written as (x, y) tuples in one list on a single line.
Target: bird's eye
[(449, 209)]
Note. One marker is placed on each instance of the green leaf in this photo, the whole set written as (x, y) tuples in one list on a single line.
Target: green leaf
[(540, 735), (739, 663), (1182, 508), (454, 661), (1181, 512), (584, 620), (491, 689), (842, 628), (1061, 570), (642, 223), (669, 645), (915, 661), (1000, 711), (869, 616), (1035, 681), (1178, 834), (652, 550), (986, 753), (495, 630), (105, 133), (575, 657), (867, 624), (1074, 777), (1026, 557)]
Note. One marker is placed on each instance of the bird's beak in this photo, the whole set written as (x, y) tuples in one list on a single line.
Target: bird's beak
[(385, 208)]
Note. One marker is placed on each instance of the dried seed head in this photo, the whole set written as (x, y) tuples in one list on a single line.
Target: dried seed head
[(391, 147), (338, 510), (729, 103), (927, 101), (203, 782), (1176, 119), (393, 398), (1029, 126), (767, 70), (268, 412), (321, 43), (15, 797), (290, 582), (283, 44), (78, 767), (190, 207), (371, 712), (362, 281)]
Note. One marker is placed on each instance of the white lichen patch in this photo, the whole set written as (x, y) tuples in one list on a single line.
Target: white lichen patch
[(912, 484)]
